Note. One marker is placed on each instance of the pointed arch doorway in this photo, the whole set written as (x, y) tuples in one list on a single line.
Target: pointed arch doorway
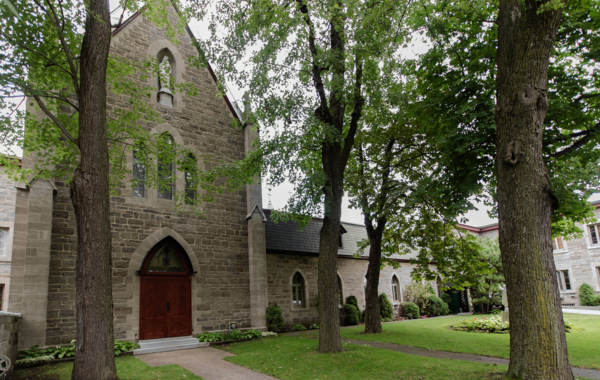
[(165, 292)]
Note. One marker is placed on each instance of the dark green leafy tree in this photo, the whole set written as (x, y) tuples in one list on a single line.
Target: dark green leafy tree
[(549, 61), (310, 67)]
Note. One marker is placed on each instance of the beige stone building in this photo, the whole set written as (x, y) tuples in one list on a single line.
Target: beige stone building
[(577, 260)]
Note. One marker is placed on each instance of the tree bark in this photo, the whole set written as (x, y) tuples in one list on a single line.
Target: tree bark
[(372, 312), (329, 320), (94, 355), (537, 340)]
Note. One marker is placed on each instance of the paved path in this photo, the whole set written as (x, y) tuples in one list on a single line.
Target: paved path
[(206, 362), (581, 372), (581, 311)]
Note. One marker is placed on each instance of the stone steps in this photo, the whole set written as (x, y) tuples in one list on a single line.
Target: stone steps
[(168, 344)]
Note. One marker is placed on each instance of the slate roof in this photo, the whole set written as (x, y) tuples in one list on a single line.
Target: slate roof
[(289, 237)]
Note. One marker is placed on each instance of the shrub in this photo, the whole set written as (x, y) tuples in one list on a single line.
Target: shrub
[(123, 346), (494, 324), (313, 326), (419, 293), (436, 306), (233, 335), (386, 310), (351, 315), (211, 337), (274, 318), (587, 296), (351, 300), (409, 310), (298, 327), (63, 351), (568, 325)]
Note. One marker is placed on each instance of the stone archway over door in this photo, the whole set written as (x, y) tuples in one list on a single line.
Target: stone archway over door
[(165, 292)]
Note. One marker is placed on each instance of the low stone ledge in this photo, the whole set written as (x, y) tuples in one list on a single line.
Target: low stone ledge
[(9, 335)]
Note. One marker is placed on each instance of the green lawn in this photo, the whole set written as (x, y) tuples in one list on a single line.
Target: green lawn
[(584, 349), (295, 357), (128, 368)]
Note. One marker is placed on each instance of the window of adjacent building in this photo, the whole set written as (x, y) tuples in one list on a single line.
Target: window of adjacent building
[(340, 291), (564, 283), (558, 244), (190, 169), (298, 290), (139, 172), (395, 289), (594, 230), (166, 166), (1, 296)]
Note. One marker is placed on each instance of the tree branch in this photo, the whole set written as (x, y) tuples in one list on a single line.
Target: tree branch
[(587, 136), (65, 46), (356, 112), (324, 113), (53, 117)]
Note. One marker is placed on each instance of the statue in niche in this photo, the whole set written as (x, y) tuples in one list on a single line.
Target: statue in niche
[(165, 80)]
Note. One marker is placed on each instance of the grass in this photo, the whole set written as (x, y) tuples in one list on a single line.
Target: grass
[(435, 334), (128, 368), (295, 357)]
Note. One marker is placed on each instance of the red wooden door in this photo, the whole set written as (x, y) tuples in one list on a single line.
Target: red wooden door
[(165, 307)]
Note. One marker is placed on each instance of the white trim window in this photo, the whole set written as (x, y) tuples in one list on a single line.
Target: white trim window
[(564, 282), (594, 234), (559, 244)]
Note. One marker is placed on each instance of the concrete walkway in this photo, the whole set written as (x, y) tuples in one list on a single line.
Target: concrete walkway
[(581, 311), (580, 372), (206, 362)]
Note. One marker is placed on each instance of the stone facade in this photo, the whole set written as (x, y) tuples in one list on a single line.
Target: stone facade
[(215, 239), (8, 197), (579, 257), (351, 271)]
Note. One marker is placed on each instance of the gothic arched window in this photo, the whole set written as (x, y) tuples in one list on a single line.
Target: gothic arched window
[(298, 290), (396, 289), (166, 166), (138, 185), (190, 168)]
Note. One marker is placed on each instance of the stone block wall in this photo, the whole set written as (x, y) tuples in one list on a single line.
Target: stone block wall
[(351, 270), (8, 199), (9, 335), (581, 260), (215, 238)]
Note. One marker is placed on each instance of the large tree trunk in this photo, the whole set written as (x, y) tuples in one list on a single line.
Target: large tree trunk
[(329, 320), (372, 313), (537, 340), (94, 356)]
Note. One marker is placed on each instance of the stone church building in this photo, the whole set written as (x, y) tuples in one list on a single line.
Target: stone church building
[(175, 272)]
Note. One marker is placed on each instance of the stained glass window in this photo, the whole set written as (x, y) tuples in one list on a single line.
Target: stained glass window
[(166, 259)]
